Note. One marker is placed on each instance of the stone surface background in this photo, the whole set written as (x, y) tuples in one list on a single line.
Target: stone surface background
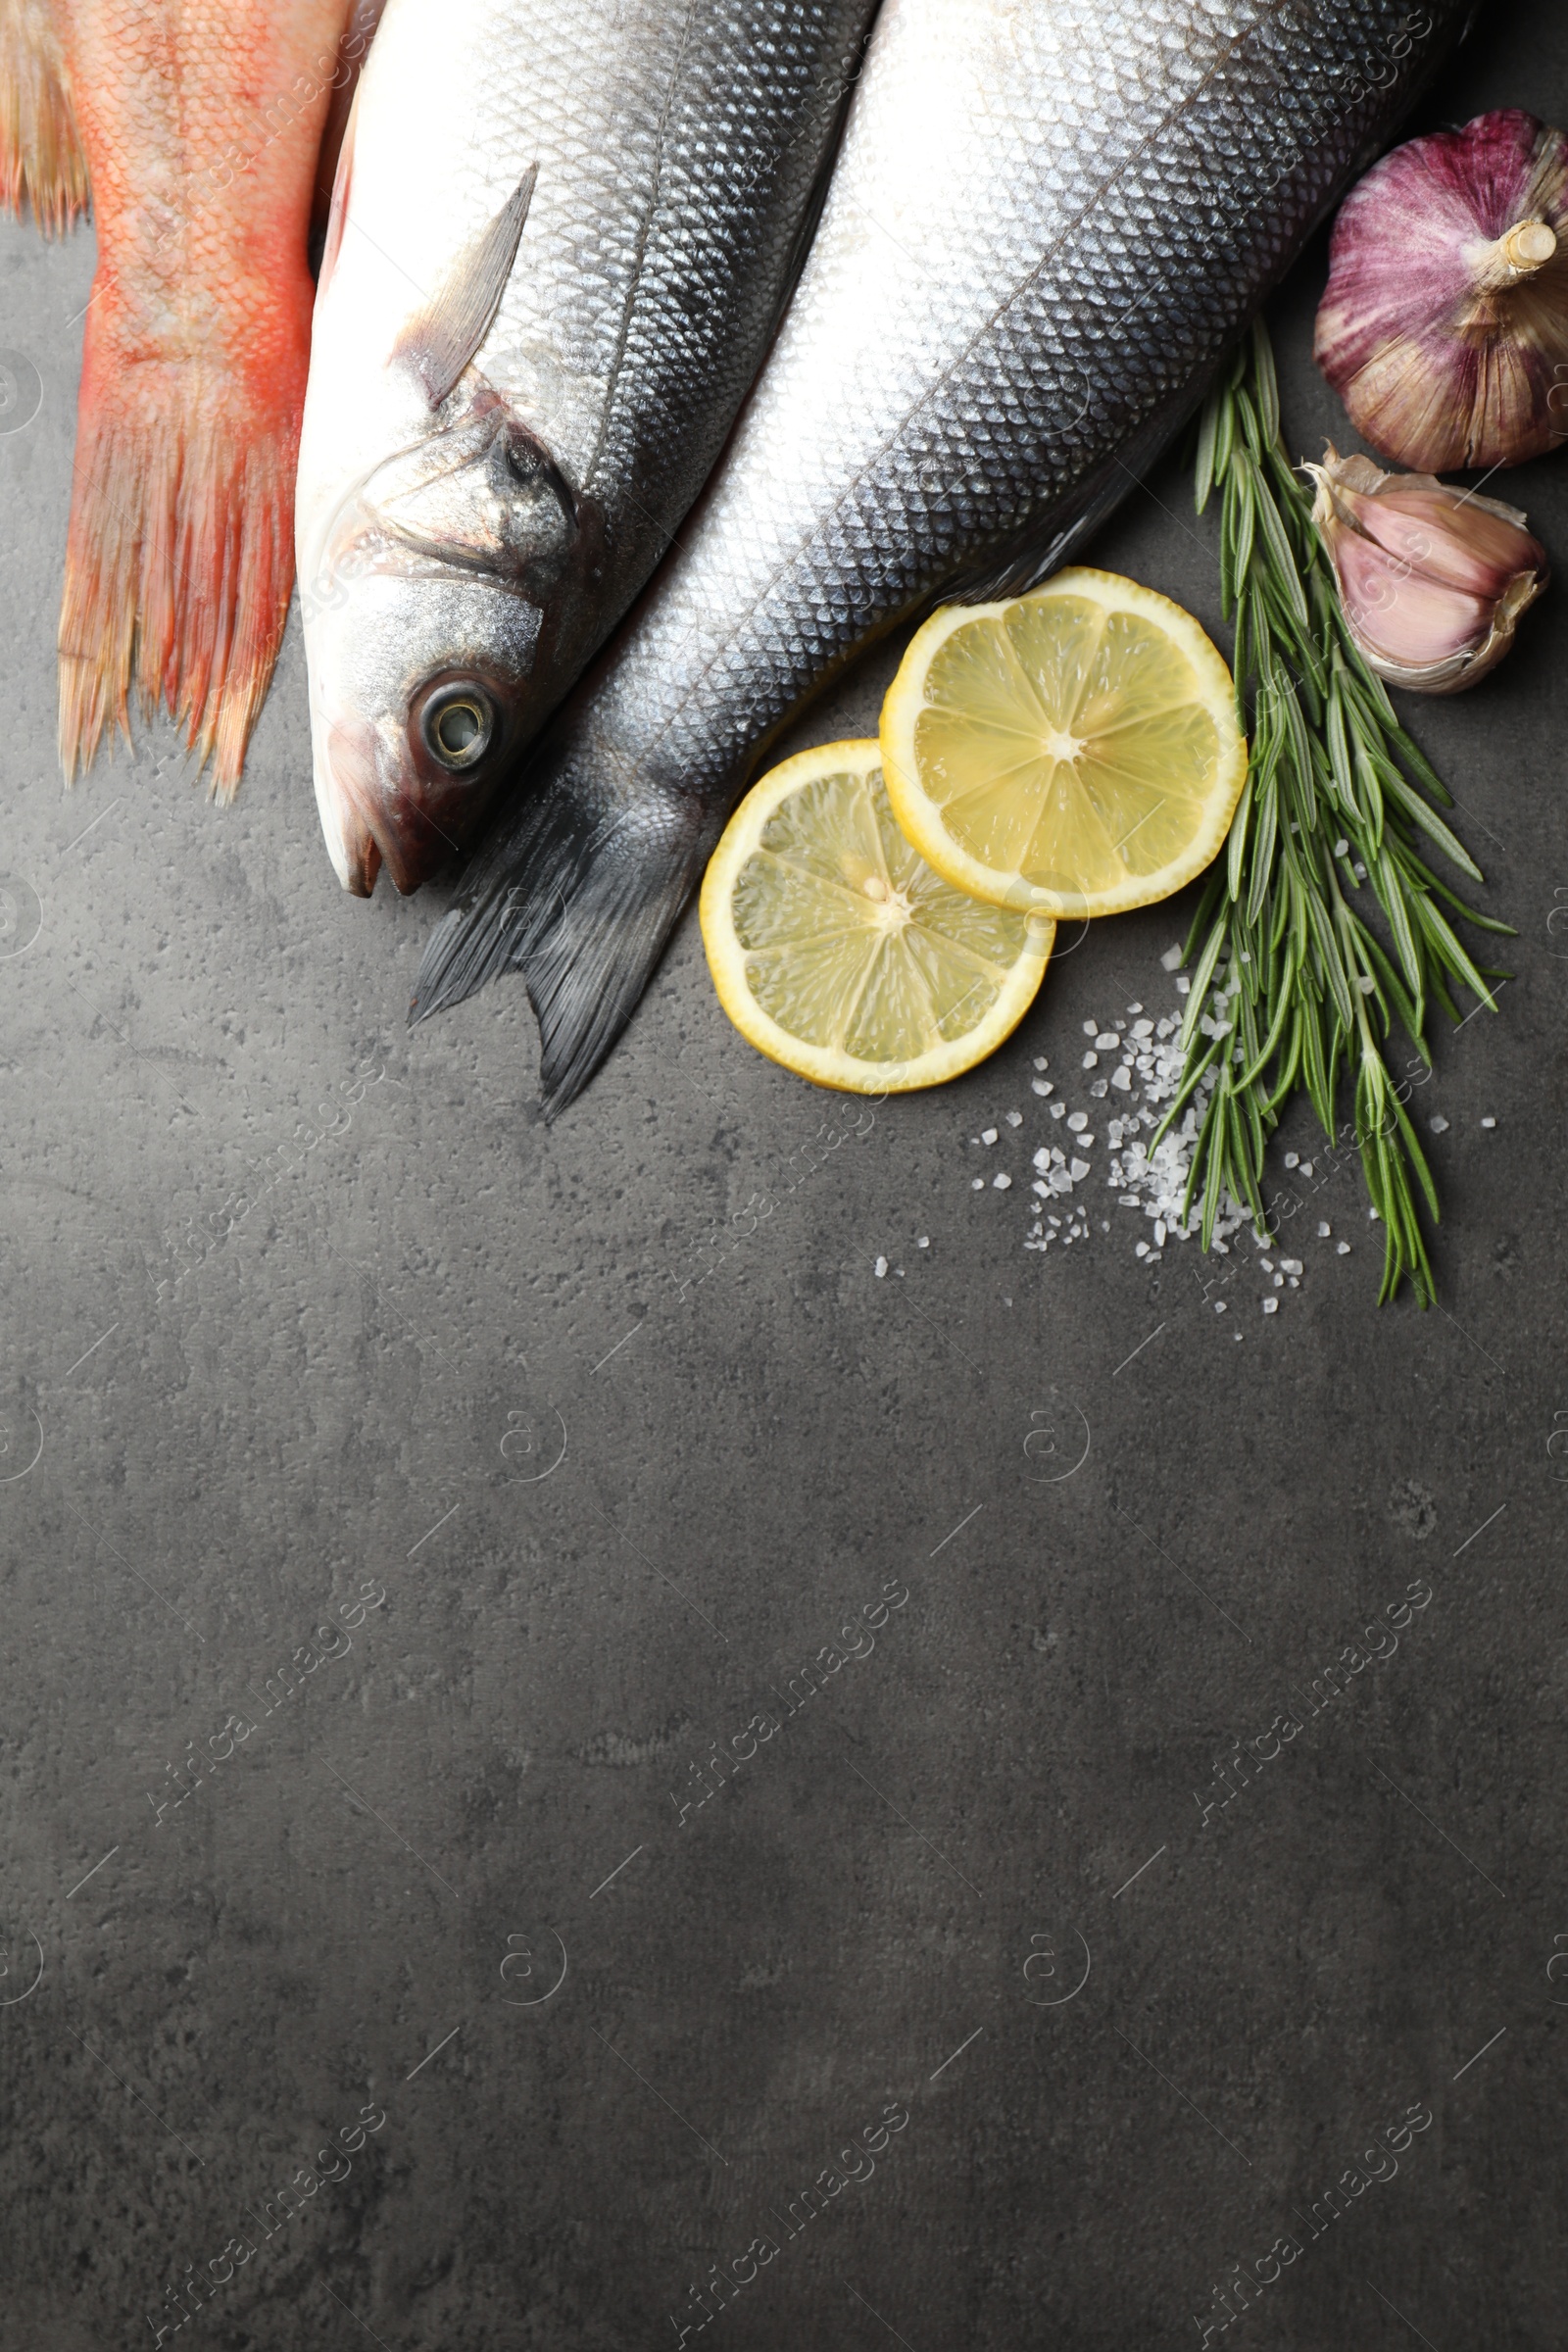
[(622, 1422)]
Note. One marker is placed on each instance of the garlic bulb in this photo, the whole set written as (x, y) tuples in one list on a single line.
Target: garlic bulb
[(1444, 324), (1432, 580)]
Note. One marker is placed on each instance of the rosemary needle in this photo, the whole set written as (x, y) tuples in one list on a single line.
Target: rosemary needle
[(1293, 987)]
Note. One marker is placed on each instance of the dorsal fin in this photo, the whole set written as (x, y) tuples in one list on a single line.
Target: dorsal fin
[(445, 331)]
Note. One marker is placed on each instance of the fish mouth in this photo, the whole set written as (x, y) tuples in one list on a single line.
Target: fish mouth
[(368, 820)]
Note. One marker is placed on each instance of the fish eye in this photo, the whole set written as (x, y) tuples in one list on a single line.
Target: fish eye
[(458, 725)]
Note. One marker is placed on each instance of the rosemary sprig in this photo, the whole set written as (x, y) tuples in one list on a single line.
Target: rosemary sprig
[(1293, 986)]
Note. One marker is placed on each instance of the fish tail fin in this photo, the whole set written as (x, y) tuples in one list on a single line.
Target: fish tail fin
[(580, 898), (42, 168), (180, 560)]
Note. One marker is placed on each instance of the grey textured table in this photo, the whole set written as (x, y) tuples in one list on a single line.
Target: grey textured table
[(624, 1425)]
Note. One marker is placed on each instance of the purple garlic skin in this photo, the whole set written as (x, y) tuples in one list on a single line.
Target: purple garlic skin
[(1444, 327), (1432, 580)]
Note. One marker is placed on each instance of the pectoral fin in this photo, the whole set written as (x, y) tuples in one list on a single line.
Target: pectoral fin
[(441, 338)]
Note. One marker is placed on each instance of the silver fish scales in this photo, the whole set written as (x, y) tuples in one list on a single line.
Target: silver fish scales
[(1048, 221), (563, 236)]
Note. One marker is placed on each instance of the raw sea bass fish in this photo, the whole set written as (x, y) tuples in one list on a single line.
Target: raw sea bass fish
[(1049, 220), (198, 127), (562, 236)]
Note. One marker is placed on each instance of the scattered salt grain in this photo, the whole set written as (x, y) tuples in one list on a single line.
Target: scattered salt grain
[(1090, 1062), (1182, 987), (1439, 1125), (880, 1268), (1042, 1062), (924, 1243), (1002, 1183), (1058, 1110), (1323, 1232), (1291, 1265), (977, 1184), (1489, 1122), (1122, 1079), (1079, 1171), (1219, 1306), (1077, 1121), (1171, 958), (1107, 1040), (1271, 1306), (1090, 1028), (1342, 848), (1292, 1159), (988, 1135), (1042, 1085), (1343, 1248), (1015, 1119)]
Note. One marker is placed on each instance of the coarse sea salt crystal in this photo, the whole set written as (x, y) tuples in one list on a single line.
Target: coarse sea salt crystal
[(988, 1135), (1002, 1183), (924, 1243), (977, 1184), (1042, 1085), (1041, 1063), (1439, 1125), (1341, 1248), (1271, 1306), (880, 1268), (1090, 1062), (1107, 1040), (1077, 1119), (1489, 1122), (1171, 958), (1323, 1232), (1015, 1119)]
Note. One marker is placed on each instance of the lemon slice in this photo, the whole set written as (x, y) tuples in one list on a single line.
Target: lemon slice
[(837, 952), (1074, 751)]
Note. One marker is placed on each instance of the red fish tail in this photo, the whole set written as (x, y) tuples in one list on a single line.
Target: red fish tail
[(180, 562), (42, 168)]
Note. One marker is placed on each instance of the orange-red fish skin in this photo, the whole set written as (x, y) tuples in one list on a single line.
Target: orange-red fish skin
[(201, 125)]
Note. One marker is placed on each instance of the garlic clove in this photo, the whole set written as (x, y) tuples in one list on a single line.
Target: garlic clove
[(1432, 580), (1444, 327), (1401, 619)]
